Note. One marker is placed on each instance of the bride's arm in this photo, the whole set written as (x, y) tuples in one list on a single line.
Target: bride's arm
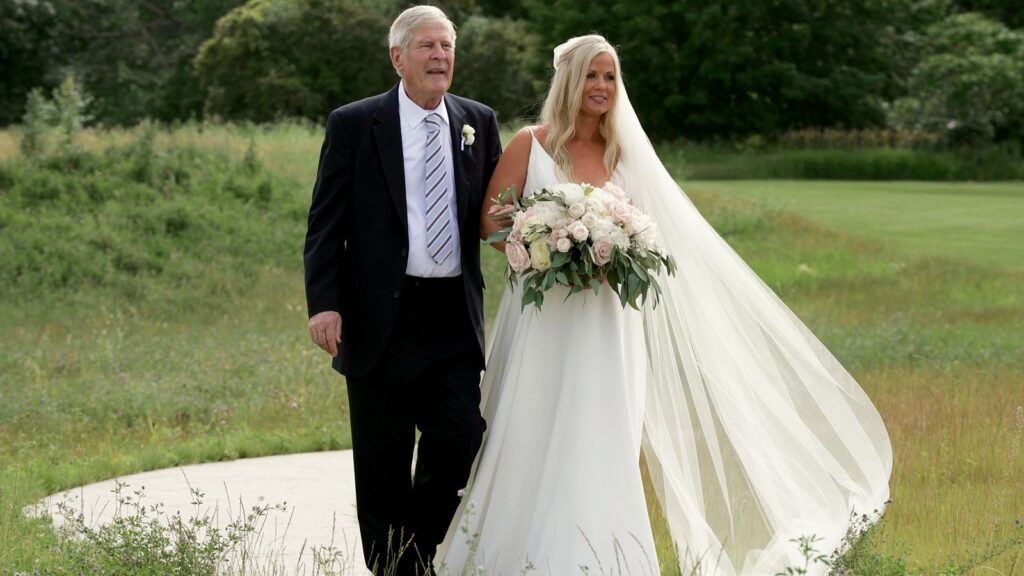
[(511, 171)]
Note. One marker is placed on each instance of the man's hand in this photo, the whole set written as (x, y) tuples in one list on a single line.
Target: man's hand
[(325, 330)]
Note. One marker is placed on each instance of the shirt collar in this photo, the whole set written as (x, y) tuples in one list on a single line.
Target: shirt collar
[(411, 114)]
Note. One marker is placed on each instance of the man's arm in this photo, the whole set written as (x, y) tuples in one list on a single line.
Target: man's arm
[(325, 237), (493, 149)]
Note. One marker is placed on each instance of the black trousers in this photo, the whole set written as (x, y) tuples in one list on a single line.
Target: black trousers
[(428, 379)]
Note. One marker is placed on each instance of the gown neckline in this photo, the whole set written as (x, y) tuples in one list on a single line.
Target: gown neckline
[(536, 143)]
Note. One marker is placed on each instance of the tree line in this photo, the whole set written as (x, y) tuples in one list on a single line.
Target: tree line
[(704, 70)]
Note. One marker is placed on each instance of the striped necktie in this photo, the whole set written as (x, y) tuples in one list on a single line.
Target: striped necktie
[(439, 234)]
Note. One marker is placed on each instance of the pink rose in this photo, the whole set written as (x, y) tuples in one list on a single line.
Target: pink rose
[(603, 250), (518, 257), (563, 245), (620, 212), (614, 190)]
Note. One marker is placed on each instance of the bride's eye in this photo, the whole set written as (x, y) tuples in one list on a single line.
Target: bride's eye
[(591, 75)]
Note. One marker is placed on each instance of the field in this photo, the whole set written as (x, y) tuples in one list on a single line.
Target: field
[(982, 223), (918, 288)]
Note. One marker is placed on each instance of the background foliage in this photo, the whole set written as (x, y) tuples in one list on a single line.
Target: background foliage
[(704, 70)]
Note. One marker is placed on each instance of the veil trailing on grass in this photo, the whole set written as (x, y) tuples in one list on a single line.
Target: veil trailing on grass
[(754, 434)]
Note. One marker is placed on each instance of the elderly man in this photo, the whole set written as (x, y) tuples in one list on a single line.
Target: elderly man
[(394, 288)]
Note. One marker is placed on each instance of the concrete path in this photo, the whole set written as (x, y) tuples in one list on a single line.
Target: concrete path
[(317, 490)]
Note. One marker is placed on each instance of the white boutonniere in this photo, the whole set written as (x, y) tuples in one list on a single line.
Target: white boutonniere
[(468, 136)]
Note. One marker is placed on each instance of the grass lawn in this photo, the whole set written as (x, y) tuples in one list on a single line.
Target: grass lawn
[(95, 384), (974, 222)]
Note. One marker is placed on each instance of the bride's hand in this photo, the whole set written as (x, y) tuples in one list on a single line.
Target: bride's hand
[(501, 214)]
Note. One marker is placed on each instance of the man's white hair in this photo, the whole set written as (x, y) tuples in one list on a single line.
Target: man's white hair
[(408, 21)]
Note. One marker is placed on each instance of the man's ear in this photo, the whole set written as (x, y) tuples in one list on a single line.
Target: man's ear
[(396, 57)]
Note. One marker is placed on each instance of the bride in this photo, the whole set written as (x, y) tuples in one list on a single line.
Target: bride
[(752, 433)]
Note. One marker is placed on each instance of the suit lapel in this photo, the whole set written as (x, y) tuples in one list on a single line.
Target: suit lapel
[(388, 133), (456, 119)]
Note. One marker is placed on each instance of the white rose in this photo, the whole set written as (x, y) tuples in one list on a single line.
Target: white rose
[(540, 255), (578, 231), (563, 245), (577, 210), (589, 220), (638, 223)]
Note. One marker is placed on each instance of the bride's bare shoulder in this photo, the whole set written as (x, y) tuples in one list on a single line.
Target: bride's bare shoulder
[(518, 148), (540, 132), (520, 143)]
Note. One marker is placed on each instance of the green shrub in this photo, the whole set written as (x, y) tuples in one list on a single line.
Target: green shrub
[(144, 221), (143, 540)]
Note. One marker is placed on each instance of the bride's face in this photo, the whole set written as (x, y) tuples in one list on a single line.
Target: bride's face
[(599, 88)]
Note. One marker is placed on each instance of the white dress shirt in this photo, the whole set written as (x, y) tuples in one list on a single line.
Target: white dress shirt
[(414, 144)]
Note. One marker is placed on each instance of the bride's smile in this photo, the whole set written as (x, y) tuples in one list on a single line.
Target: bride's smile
[(599, 88)]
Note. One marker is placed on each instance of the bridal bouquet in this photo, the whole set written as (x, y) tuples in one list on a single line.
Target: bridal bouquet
[(576, 235)]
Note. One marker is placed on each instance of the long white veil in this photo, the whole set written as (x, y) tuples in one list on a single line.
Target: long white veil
[(754, 434)]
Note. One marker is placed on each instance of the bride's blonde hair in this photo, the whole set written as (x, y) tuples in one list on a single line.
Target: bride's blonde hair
[(572, 62)]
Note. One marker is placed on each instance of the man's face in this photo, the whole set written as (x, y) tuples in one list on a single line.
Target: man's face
[(427, 65)]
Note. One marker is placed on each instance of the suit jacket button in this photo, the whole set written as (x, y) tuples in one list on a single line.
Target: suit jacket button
[(405, 252), (396, 293)]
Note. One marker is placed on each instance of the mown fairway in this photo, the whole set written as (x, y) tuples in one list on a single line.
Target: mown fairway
[(974, 222), (96, 382)]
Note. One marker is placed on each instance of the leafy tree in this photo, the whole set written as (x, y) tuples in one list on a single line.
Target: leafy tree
[(137, 56), (134, 57), (1009, 12), (705, 68), (273, 58), (495, 58), (969, 84), (31, 48)]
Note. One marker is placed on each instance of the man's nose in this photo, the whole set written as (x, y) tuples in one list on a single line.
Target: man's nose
[(438, 53)]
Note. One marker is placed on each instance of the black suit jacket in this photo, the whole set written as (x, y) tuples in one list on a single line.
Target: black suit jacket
[(357, 243)]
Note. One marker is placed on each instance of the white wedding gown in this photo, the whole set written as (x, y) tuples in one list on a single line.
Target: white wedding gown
[(558, 481), (753, 433)]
